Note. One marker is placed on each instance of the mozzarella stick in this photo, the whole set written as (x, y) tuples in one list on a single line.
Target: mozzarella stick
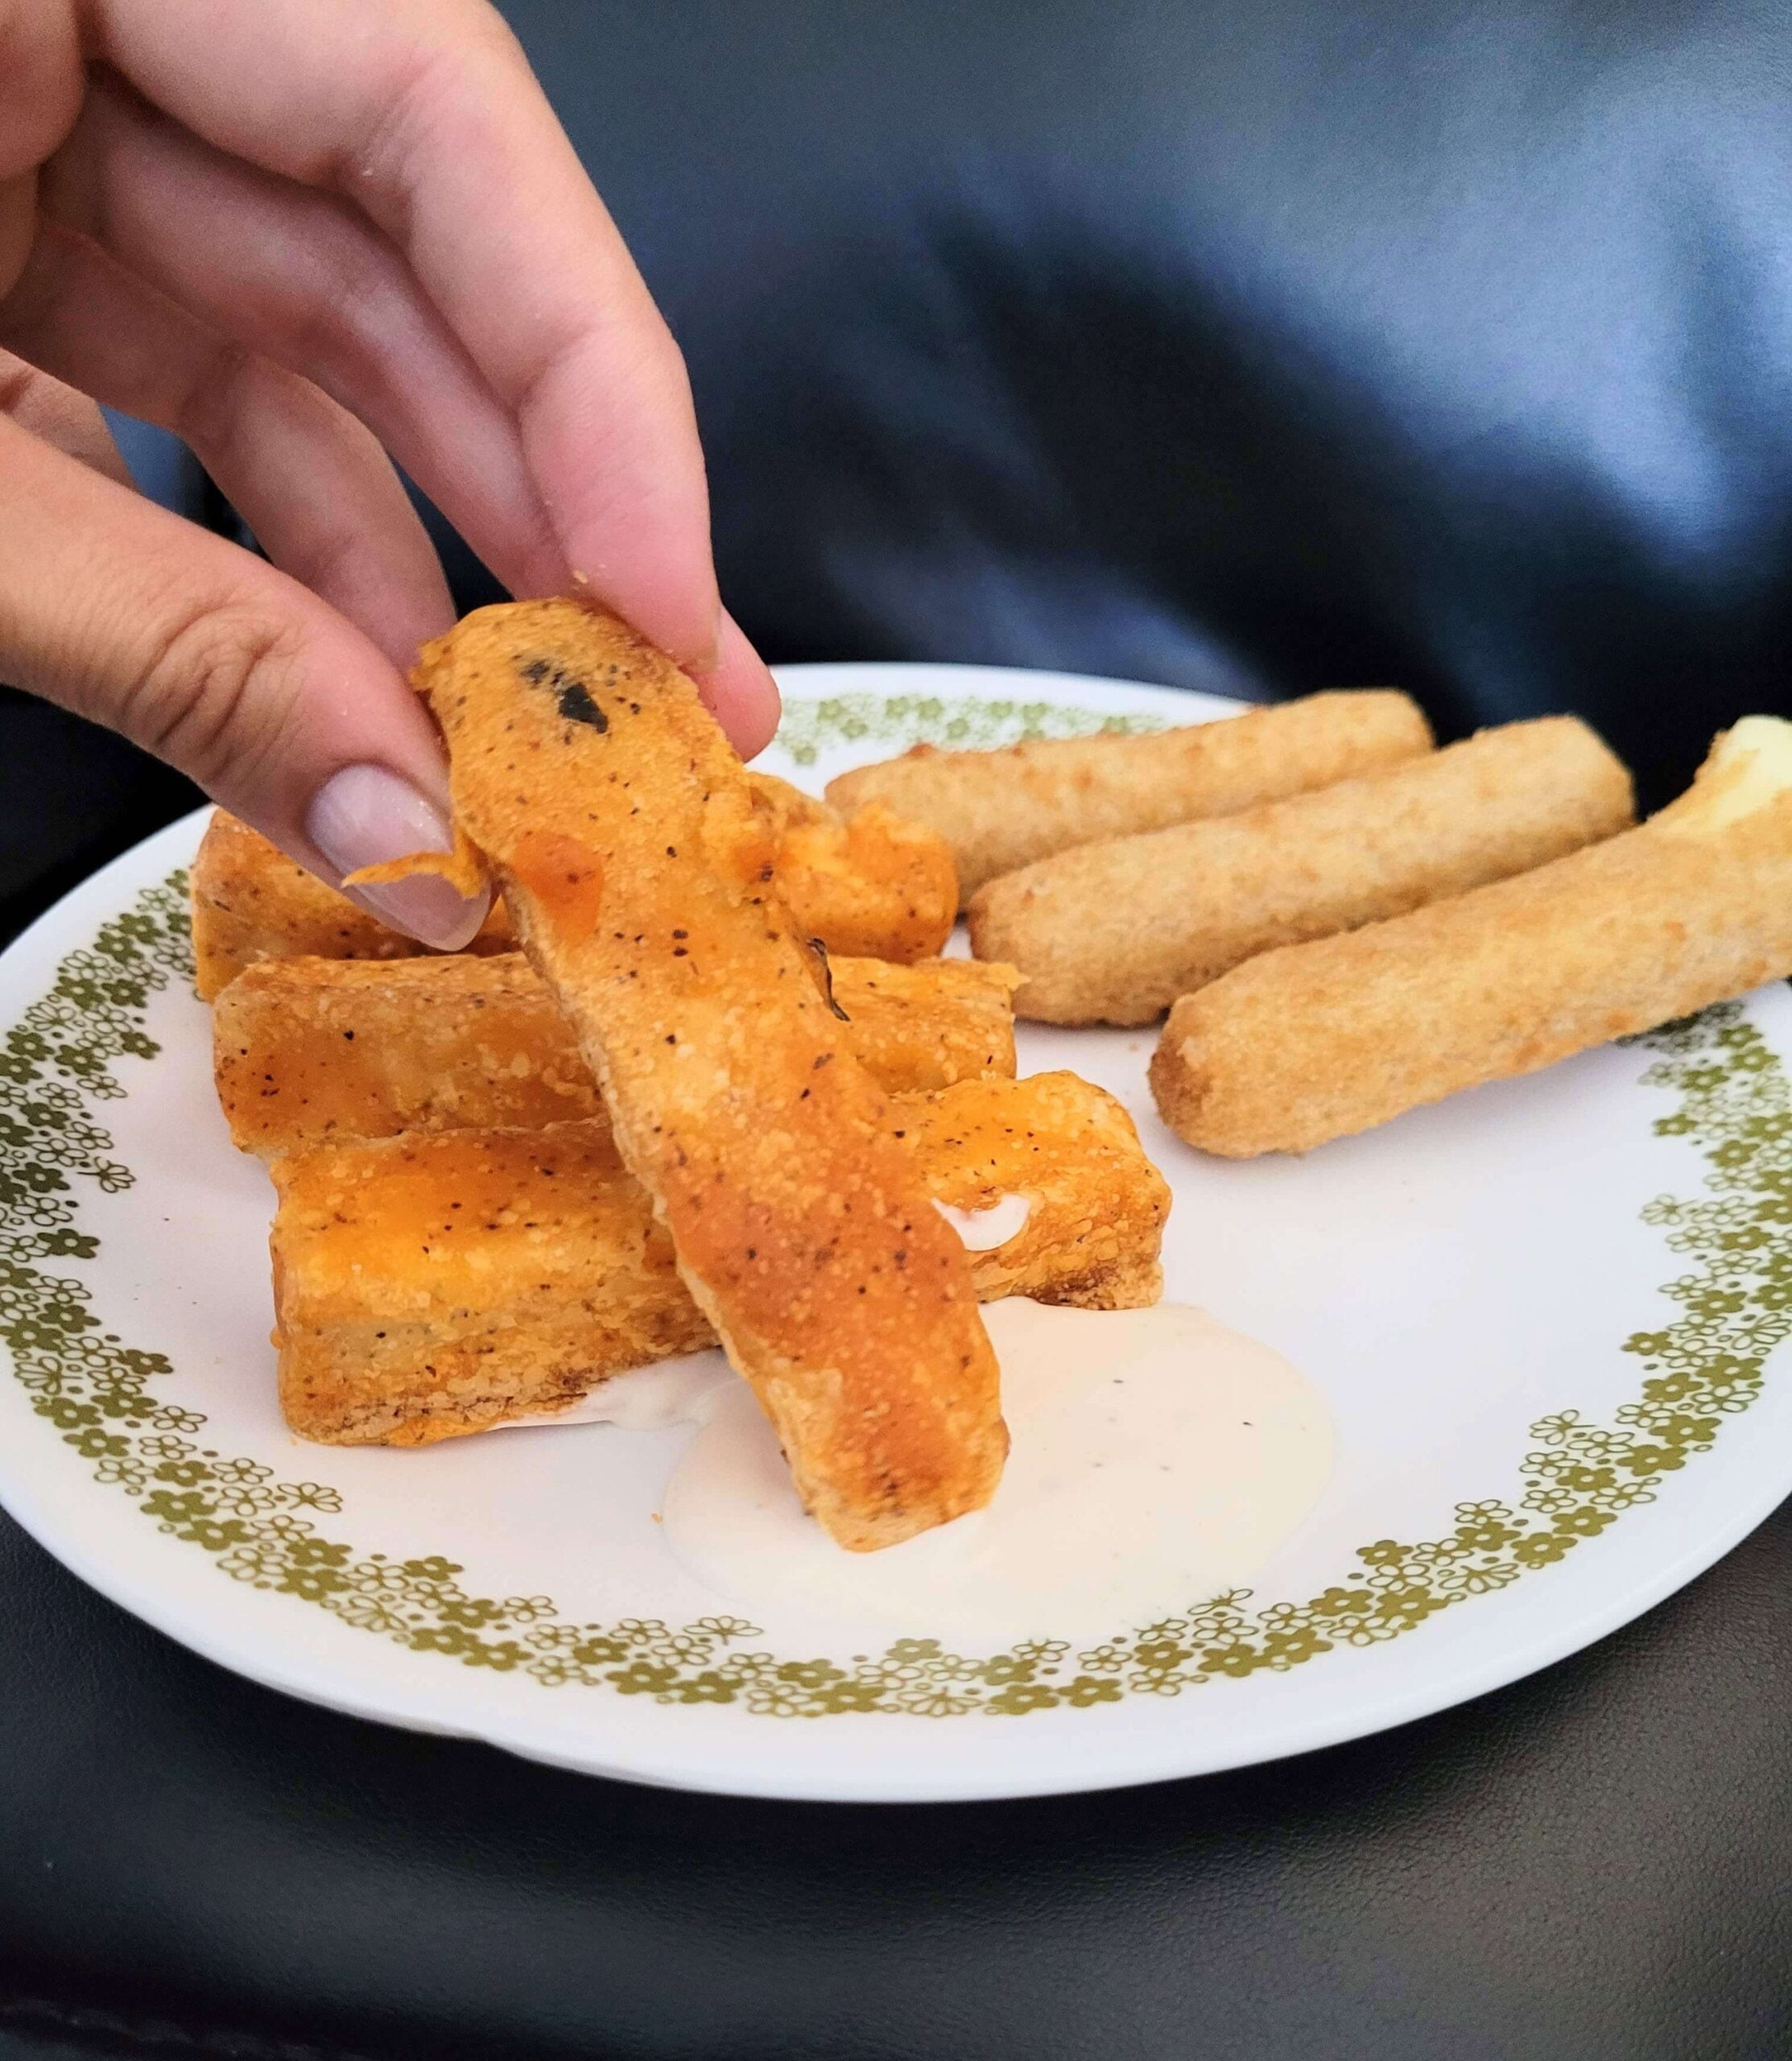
[(1114, 932), (1318, 1041), (876, 888), (308, 1049), (428, 1287), (1001, 810), (638, 871)]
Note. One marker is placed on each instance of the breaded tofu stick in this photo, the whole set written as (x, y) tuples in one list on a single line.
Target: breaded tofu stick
[(427, 1287), (637, 869), (1001, 810), (876, 888), (1114, 932), (308, 1049), (430, 1286), (931, 1024), (1317, 1041), (1094, 1205), (304, 1050), (251, 902)]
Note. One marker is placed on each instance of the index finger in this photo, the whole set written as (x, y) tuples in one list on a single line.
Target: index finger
[(426, 113)]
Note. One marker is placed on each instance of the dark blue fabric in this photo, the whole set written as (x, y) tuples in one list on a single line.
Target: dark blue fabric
[(1435, 342)]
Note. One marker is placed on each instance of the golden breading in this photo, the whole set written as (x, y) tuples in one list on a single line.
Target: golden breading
[(306, 1049), (930, 1024), (1319, 1040), (874, 888), (427, 1287), (1096, 1205), (638, 869), (251, 902), (1114, 932), (1001, 810)]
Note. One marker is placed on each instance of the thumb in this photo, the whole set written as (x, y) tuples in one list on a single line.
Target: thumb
[(276, 705)]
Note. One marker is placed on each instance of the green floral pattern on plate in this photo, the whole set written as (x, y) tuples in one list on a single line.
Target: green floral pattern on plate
[(1577, 1480), (809, 728)]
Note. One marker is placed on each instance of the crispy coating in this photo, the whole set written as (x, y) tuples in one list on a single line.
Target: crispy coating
[(1096, 1204), (307, 1050), (876, 888), (930, 1024), (1114, 932), (1002, 810), (1318, 1041), (251, 902), (638, 869), (427, 1287)]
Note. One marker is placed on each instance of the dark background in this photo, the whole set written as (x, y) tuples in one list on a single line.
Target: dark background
[(1446, 343)]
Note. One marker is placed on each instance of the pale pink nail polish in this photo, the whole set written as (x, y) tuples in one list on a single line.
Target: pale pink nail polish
[(367, 814)]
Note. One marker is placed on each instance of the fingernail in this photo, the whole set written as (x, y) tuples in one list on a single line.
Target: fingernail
[(365, 815)]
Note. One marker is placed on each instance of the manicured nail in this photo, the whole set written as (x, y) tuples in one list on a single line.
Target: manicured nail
[(365, 815)]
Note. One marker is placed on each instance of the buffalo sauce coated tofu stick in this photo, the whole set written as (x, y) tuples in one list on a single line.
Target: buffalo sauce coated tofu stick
[(622, 830), (308, 1049), (874, 888), (251, 903), (397, 1327)]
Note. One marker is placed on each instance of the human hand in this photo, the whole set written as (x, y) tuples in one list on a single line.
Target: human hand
[(293, 233)]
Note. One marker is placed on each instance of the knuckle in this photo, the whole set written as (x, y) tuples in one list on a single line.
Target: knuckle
[(18, 381), (216, 694), (210, 410)]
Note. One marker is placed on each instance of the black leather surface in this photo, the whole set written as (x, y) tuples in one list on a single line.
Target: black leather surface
[(1441, 341)]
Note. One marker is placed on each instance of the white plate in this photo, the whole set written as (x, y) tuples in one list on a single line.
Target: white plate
[(1533, 1311)]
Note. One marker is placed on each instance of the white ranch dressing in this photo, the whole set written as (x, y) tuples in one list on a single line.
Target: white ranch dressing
[(1158, 1458), (983, 1230), (644, 1399)]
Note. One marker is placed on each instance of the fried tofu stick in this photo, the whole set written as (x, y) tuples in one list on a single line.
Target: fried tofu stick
[(427, 1287), (624, 834), (1318, 1041), (876, 888), (308, 1049), (929, 1025), (1114, 932), (251, 902), (1001, 810)]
